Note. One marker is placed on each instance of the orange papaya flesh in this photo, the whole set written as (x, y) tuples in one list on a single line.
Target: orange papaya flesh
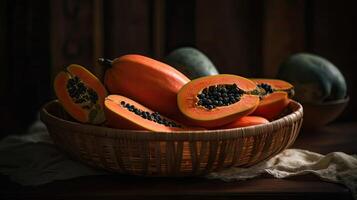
[(124, 113), (81, 94), (271, 105), (147, 81), (213, 114), (245, 121)]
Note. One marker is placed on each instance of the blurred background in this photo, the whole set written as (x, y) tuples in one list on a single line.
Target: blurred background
[(244, 37)]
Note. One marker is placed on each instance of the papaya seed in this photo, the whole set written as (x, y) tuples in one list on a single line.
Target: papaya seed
[(80, 93), (266, 87), (219, 95), (155, 116)]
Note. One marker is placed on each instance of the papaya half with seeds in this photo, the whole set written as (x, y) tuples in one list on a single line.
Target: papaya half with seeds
[(274, 96), (145, 80), (217, 100), (124, 113), (245, 121), (81, 94), (267, 86)]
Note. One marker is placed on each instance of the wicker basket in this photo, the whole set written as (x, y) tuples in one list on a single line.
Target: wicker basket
[(182, 153)]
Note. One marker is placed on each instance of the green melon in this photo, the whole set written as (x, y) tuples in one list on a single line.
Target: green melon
[(191, 62), (315, 79)]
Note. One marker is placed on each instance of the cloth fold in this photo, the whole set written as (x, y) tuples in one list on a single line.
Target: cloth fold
[(32, 159), (336, 167)]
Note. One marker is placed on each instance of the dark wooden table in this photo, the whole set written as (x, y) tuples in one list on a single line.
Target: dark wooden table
[(336, 137)]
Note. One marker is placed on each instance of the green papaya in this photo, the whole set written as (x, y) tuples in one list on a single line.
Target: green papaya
[(315, 79), (191, 62)]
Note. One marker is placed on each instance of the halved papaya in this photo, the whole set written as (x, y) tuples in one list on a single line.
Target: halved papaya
[(81, 94), (274, 96), (245, 121), (267, 86), (145, 80), (124, 113), (217, 100)]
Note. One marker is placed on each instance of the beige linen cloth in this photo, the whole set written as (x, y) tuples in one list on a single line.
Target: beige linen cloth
[(32, 159), (336, 167)]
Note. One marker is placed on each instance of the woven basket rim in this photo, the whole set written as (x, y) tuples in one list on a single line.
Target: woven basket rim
[(219, 134)]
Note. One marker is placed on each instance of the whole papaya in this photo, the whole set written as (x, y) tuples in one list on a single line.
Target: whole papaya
[(191, 62), (145, 80), (316, 80)]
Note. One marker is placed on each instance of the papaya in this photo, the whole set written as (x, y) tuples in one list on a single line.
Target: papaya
[(315, 78), (145, 80), (216, 100), (274, 97), (272, 105), (81, 94), (124, 113), (191, 62), (245, 121)]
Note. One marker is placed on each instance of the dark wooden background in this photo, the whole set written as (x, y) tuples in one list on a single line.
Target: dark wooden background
[(245, 37)]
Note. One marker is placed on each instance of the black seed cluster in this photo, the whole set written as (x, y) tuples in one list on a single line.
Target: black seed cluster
[(219, 95), (80, 93), (266, 87), (155, 116)]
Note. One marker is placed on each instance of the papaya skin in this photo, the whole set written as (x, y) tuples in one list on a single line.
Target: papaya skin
[(315, 78), (187, 101), (121, 118), (147, 81), (245, 121), (92, 115), (191, 62)]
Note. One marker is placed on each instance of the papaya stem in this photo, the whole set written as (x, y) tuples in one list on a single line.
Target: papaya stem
[(105, 61)]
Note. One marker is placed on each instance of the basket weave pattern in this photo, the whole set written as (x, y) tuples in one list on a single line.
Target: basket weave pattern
[(181, 153)]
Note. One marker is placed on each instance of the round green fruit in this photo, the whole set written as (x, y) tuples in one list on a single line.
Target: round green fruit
[(191, 62), (315, 79)]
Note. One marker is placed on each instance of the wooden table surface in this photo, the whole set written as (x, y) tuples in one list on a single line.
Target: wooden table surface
[(336, 137)]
